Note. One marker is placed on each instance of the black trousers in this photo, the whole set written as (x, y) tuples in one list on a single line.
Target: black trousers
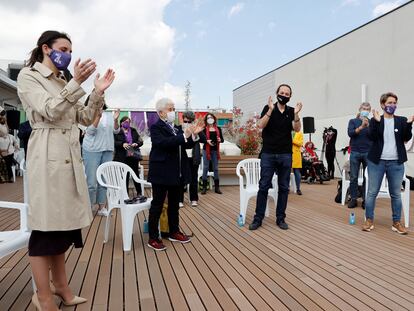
[(330, 159), (193, 183), (159, 193), (9, 160), (133, 163)]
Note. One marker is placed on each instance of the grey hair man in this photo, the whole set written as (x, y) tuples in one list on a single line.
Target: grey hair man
[(360, 144)]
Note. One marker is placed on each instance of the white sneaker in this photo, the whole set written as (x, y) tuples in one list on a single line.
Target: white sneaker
[(103, 212), (194, 203), (181, 204)]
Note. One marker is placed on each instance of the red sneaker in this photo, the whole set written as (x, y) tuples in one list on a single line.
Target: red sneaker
[(156, 244), (179, 237)]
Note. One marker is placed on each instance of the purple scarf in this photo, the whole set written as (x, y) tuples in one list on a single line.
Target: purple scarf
[(128, 137)]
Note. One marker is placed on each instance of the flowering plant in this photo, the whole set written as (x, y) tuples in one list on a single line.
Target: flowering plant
[(247, 136)]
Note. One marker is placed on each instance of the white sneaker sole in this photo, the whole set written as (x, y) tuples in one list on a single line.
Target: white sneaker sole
[(398, 231), (368, 229), (182, 242), (156, 249)]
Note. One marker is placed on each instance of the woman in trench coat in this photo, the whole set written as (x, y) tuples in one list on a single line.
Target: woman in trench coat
[(58, 194)]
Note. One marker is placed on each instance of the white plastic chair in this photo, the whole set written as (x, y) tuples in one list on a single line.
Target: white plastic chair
[(141, 176), (14, 240), (251, 170), (293, 185), (112, 176), (405, 195), (346, 183)]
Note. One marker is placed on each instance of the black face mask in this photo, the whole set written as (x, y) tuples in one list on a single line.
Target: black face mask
[(283, 100)]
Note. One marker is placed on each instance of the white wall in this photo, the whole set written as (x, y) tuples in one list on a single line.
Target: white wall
[(328, 80)]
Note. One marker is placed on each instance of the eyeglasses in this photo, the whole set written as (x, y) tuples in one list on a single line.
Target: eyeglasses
[(186, 121)]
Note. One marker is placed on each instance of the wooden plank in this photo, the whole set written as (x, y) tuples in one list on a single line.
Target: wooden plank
[(104, 275), (264, 276), (116, 293), (146, 296), (171, 283), (255, 292), (321, 262)]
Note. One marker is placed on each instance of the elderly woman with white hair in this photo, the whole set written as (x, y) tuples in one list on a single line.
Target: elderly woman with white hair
[(168, 171), (360, 145)]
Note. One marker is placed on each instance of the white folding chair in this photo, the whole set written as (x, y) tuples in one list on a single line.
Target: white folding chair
[(385, 193), (346, 183), (250, 187), (112, 176), (14, 240)]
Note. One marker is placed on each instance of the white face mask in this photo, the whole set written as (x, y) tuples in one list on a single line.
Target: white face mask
[(210, 121), (171, 116)]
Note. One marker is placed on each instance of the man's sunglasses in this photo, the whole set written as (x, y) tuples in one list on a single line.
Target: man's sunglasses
[(187, 121)]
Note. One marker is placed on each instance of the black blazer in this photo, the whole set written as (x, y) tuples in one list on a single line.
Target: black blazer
[(120, 139), (402, 131), (165, 167)]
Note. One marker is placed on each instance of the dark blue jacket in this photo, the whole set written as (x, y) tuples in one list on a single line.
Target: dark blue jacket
[(165, 167), (402, 131), (360, 142)]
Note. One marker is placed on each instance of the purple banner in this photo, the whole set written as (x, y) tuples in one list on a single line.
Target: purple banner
[(152, 117), (138, 120)]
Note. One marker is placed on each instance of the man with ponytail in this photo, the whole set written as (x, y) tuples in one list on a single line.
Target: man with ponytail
[(277, 120)]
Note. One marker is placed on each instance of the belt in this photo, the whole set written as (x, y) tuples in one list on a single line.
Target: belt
[(55, 125)]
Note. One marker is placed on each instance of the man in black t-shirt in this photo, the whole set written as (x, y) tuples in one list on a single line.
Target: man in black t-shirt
[(277, 121)]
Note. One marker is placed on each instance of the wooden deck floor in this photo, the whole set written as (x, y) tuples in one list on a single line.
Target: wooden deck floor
[(320, 263)]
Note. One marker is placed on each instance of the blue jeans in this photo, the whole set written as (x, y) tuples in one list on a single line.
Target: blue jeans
[(298, 176), (270, 164), (92, 160), (355, 160), (394, 172), (214, 160)]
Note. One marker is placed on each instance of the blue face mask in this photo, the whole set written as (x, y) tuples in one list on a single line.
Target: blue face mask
[(60, 59), (364, 114)]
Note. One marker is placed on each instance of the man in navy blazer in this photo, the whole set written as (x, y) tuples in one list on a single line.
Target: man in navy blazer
[(387, 156), (168, 171)]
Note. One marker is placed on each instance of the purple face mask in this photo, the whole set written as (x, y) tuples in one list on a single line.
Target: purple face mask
[(126, 125), (60, 59), (390, 109)]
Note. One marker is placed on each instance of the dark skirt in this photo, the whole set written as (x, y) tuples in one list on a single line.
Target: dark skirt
[(51, 243)]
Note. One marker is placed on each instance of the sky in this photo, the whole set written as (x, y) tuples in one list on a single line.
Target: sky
[(156, 46)]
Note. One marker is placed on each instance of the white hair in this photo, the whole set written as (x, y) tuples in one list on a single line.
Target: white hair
[(162, 103)]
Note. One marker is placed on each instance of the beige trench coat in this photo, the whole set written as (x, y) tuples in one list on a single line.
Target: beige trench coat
[(58, 193)]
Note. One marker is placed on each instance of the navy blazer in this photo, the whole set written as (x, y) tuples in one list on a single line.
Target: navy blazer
[(402, 131), (165, 167)]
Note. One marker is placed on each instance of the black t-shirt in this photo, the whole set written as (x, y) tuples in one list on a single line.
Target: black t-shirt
[(277, 135)]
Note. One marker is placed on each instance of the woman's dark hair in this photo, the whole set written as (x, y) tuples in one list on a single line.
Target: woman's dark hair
[(123, 119), (212, 115), (48, 37), (189, 115)]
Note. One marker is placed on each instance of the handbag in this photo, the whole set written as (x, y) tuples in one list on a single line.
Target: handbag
[(134, 153)]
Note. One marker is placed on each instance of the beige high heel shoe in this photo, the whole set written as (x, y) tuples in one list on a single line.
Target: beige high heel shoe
[(75, 301), (36, 303)]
